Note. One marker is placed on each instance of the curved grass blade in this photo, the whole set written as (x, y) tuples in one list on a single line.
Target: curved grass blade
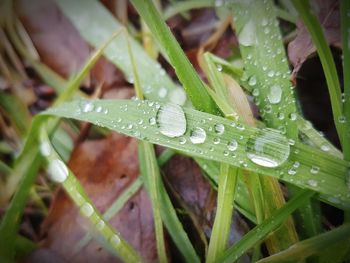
[(311, 246), (313, 26), (260, 232), (184, 70), (305, 166)]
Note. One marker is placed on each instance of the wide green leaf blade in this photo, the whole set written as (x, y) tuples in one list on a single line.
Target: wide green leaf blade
[(305, 166)]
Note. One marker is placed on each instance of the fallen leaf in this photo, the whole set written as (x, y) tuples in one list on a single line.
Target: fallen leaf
[(105, 168), (60, 45), (302, 47)]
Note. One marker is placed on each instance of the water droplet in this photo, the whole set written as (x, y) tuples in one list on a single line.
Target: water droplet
[(152, 121), (247, 36), (296, 164), (280, 115), (115, 240), (58, 171), (98, 109), (293, 116), (342, 119), (312, 183), (268, 148), (252, 81), (216, 140), (325, 147), (232, 145), (271, 73), (292, 171), (45, 148), (219, 129), (219, 67), (198, 135), (87, 106), (314, 169), (275, 94), (171, 120), (100, 225), (182, 140), (255, 92), (87, 209)]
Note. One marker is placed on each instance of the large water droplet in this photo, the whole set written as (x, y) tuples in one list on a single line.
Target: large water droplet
[(247, 36), (275, 94), (198, 135), (268, 148), (171, 120), (87, 209), (58, 171)]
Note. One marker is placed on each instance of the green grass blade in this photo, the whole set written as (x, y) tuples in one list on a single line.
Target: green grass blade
[(313, 26), (222, 223), (260, 232), (184, 70), (317, 170), (97, 31), (311, 246), (151, 175), (345, 25)]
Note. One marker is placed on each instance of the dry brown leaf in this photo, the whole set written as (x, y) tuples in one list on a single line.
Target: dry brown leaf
[(60, 45), (104, 167), (302, 46)]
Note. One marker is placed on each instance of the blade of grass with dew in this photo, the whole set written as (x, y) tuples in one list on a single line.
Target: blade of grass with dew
[(228, 175), (313, 26), (59, 173), (154, 184), (311, 246), (316, 139), (318, 171), (25, 170), (222, 222), (153, 79), (112, 210), (184, 70), (261, 231), (267, 67)]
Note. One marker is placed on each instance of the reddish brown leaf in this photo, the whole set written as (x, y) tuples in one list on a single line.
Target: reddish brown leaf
[(302, 47), (104, 167), (59, 44)]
